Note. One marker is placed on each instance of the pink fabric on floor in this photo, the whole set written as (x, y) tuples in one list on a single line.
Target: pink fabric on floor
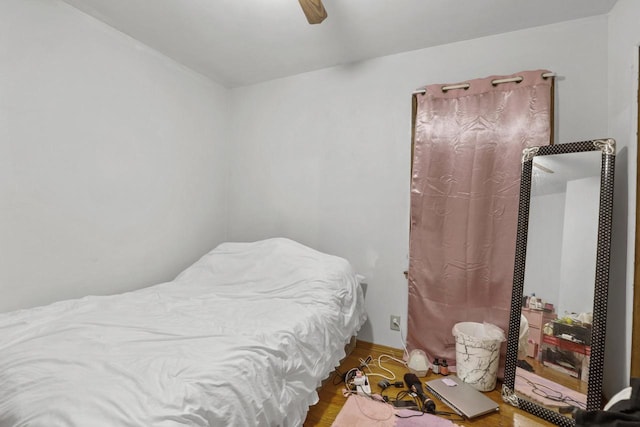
[(426, 420), (464, 203), (361, 411)]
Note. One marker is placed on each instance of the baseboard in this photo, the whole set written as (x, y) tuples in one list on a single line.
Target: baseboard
[(379, 348)]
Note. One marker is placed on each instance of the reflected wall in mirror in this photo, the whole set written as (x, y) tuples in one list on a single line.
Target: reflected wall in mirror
[(555, 349)]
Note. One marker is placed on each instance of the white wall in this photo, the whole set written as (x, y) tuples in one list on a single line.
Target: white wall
[(112, 158), (579, 246), (544, 246), (624, 39), (323, 157)]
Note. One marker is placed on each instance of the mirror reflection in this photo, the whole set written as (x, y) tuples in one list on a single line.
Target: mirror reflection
[(555, 331)]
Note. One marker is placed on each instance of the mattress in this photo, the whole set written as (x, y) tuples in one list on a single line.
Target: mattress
[(243, 337)]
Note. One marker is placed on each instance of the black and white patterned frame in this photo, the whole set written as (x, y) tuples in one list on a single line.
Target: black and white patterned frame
[(608, 149)]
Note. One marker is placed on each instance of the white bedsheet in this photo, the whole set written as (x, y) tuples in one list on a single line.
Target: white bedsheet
[(242, 337)]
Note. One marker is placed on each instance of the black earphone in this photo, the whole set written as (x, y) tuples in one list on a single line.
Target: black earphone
[(384, 384)]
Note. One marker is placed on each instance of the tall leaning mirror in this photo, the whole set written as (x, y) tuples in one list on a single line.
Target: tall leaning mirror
[(555, 348)]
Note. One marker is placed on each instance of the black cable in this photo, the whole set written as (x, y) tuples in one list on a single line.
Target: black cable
[(419, 414), (411, 416), (400, 396), (422, 409), (449, 414), (339, 375)]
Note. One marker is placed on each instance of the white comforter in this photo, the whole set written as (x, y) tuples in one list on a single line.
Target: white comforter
[(242, 337)]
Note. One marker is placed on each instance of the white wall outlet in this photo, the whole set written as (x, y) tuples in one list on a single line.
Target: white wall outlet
[(394, 323)]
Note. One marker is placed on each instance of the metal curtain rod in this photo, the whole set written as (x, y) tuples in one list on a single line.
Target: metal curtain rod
[(495, 82)]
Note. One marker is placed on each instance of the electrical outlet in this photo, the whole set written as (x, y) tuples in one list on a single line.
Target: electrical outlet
[(394, 323)]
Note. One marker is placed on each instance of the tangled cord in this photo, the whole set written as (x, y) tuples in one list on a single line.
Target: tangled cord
[(391, 376)]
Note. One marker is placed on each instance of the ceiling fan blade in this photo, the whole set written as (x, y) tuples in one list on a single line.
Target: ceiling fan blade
[(313, 10)]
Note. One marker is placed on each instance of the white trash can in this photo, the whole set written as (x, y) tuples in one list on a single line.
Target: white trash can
[(478, 353)]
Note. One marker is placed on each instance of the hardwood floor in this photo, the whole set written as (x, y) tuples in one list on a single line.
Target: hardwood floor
[(331, 399)]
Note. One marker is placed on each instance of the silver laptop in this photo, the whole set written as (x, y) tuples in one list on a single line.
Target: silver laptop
[(461, 397)]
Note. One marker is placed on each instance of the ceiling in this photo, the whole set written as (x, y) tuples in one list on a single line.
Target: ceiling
[(559, 169), (241, 42)]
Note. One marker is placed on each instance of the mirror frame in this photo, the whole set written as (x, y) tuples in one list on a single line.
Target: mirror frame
[(599, 325)]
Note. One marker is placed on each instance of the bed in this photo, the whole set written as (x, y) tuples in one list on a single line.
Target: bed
[(243, 337)]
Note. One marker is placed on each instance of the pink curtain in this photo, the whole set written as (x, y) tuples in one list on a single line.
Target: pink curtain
[(464, 203)]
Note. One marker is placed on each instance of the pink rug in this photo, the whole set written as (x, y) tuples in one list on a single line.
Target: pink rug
[(536, 387), (361, 411)]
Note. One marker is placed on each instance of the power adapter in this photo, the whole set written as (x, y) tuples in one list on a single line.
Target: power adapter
[(361, 382)]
